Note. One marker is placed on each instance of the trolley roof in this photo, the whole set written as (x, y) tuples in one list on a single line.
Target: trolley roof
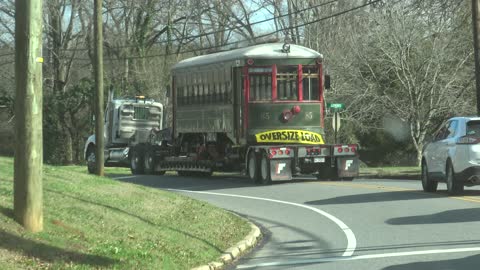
[(262, 51)]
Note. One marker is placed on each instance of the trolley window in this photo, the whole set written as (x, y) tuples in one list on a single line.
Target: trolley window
[(311, 88), (287, 83), (260, 83)]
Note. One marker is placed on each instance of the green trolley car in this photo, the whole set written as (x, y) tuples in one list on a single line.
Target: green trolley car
[(258, 109)]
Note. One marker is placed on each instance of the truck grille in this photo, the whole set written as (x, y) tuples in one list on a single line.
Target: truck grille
[(141, 113)]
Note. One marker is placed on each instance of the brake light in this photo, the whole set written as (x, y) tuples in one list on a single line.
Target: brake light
[(468, 140)]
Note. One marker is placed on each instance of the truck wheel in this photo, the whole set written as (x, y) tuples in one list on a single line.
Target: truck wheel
[(326, 173), (91, 165), (454, 186), (252, 167), (182, 173), (159, 173), (427, 183), (206, 174), (149, 162), (265, 176), (136, 161)]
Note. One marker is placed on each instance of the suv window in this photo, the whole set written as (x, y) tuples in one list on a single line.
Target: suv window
[(452, 129), (443, 132), (473, 128)]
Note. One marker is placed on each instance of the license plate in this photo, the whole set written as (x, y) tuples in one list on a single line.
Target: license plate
[(318, 160)]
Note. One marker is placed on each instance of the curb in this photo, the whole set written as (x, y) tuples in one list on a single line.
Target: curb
[(236, 251)]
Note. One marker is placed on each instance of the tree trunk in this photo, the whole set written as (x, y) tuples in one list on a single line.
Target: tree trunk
[(27, 203)]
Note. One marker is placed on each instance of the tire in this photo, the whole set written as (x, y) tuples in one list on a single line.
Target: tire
[(136, 161), (347, 179), (149, 162), (91, 160), (265, 176), (206, 174), (160, 173), (252, 167), (454, 186), (327, 173), (183, 173), (427, 183)]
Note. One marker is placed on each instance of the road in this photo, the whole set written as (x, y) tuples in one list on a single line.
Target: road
[(364, 224)]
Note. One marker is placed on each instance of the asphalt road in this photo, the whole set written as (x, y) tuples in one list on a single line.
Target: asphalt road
[(364, 224)]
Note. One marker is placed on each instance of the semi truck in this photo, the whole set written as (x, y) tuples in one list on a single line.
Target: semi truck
[(259, 110), (128, 122)]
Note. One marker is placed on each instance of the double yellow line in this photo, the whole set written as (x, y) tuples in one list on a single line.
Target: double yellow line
[(390, 188)]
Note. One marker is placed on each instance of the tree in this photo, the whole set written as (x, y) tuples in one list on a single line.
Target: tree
[(28, 111), (415, 68)]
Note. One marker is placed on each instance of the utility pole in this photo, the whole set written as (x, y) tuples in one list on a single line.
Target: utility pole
[(476, 43), (98, 69), (27, 195)]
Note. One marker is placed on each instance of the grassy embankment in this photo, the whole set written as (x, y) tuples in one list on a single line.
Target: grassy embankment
[(93, 222), (391, 172)]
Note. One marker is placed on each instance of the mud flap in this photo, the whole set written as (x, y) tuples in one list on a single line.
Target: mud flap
[(281, 169), (347, 166)]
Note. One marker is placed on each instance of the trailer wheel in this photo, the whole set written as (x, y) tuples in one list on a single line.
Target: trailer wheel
[(252, 167), (160, 172), (149, 162), (265, 176), (136, 160)]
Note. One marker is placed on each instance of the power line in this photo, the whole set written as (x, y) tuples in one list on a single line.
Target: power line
[(224, 29), (257, 37)]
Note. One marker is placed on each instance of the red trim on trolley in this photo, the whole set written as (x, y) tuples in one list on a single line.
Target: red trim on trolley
[(274, 82), (322, 104), (246, 93), (300, 82)]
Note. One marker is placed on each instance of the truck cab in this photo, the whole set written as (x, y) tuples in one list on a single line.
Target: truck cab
[(127, 122)]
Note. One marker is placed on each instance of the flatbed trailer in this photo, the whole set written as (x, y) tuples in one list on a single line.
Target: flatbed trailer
[(258, 110)]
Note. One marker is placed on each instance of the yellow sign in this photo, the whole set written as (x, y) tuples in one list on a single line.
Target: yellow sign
[(290, 136)]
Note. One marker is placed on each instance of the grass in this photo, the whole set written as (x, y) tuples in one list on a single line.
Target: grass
[(391, 172), (94, 222)]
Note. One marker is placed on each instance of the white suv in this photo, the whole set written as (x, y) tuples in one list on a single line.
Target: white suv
[(453, 156)]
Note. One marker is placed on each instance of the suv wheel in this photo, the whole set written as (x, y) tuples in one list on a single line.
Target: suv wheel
[(427, 183), (454, 186)]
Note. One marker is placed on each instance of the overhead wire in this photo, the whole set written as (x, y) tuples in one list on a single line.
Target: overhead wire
[(231, 28), (246, 40)]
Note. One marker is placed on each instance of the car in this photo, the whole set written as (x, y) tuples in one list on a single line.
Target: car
[(453, 156)]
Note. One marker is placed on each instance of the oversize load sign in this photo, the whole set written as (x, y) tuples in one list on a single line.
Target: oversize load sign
[(290, 136)]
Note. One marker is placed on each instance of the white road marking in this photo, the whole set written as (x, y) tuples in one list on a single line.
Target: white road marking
[(125, 177), (361, 257), (351, 240)]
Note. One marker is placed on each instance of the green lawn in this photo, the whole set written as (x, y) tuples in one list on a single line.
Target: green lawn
[(94, 222), (394, 172)]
